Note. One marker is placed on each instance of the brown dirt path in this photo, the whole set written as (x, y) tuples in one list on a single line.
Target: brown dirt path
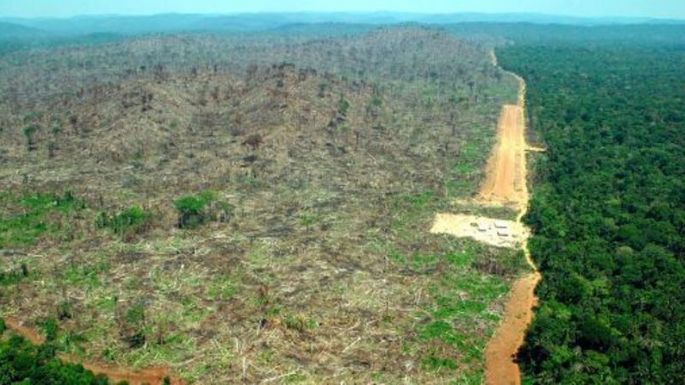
[(500, 369), (505, 180), (149, 376), (506, 184)]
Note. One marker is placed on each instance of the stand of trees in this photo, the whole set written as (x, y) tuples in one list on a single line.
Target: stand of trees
[(26, 364), (608, 212)]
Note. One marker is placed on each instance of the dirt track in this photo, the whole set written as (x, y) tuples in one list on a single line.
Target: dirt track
[(505, 181), (505, 184), (499, 367), (116, 374)]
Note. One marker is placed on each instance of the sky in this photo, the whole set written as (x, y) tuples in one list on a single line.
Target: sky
[(64, 8)]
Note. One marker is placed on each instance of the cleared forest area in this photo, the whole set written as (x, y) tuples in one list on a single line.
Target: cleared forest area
[(253, 208)]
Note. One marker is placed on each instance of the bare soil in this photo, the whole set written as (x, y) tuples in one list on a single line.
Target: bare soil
[(505, 181), (482, 229), (24, 331)]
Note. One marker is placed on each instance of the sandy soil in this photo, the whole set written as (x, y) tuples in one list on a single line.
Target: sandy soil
[(486, 230), (505, 181), (150, 376)]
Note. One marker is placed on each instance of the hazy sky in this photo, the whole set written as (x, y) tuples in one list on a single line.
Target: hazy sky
[(62, 8)]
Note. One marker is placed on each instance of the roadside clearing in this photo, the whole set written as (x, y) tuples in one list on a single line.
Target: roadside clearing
[(495, 232)]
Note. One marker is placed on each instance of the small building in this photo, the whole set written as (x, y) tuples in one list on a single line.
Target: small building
[(483, 226), (503, 232)]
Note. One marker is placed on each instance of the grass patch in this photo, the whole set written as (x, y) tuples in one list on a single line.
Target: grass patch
[(85, 275), (459, 299), (221, 288), (435, 364), (27, 217), (14, 276), (130, 221)]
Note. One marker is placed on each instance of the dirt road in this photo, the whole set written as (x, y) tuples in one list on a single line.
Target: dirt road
[(505, 181), (499, 366), (506, 184)]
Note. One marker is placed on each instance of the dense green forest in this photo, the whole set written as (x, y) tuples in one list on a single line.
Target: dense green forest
[(608, 209)]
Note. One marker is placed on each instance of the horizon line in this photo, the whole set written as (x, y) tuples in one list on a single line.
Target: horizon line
[(312, 12)]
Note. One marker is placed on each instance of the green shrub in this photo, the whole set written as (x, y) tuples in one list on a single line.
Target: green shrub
[(133, 220), (192, 209), (133, 325), (14, 276), (50, 328), (434, 363), (29, 132), (343, 106)]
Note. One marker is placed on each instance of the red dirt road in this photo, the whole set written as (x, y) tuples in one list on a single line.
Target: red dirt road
[(500, 369), (505, 184), (505, 181)]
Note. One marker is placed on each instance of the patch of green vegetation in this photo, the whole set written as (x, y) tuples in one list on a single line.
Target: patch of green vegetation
[(343, 106), (85, 275), (463, 168), (442, 331), (423, 261), (133, 220), (191, 209), (295, 378), (411, 210), (194, 210), (49, 327), (25, 220), (471, 377), (308, 219), (299, 322), (24, 363), (164, 348), (419, 201), (460, 296), (14, 276), (133, 325), (435, 364), (221, 288)]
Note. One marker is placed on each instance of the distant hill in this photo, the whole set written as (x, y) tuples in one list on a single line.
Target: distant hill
[(16, 31), (164, 23)]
